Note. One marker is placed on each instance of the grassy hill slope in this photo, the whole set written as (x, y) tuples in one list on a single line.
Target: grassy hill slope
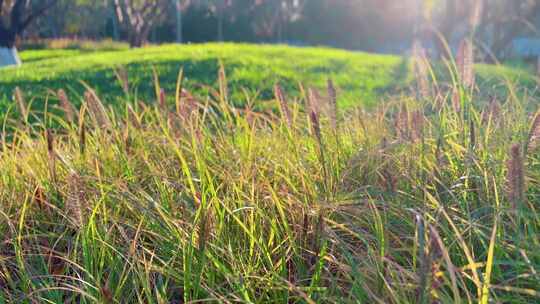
[(361, 77)]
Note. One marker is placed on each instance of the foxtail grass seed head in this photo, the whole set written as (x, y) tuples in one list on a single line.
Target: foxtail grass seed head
[(387, 180), (456, 100), (76, 200), (314, 104), (534, 134), (51, 154), (319, 233), (82, 138), (285, 111), (162, 100), (133, 118), (305, 228), (19, 98), (401, 123), (314, 117), (206, 225), (190, 106), (472, 134), (40, 198), (66, 105), (421, 69), (332, 103), (515, 177), (435, 256), (106, 295), (96, 109), (50, 142), (123, 77), (417, 125), (465, 63), (491, 112), (222, 78)]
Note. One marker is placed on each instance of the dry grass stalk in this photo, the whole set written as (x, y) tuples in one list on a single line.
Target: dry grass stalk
[(126, 139), (304, 233), (178, 91), (417, 125), (401, 123), (188, 107), (162, 102), (533, 140), (465, 62), (440, 155), (206, 227), (491, 112), (82, 138), (515, 177), (284, 107), (456, 100), (96, 109), (76, 200), (435, 258), (424, 261), (106, 295), (40, 198), (472, 135), (222, 78), (133, 118), (19, 98), (421, 69), (66, 105), (313, 101), (316, 240), (438, 100), (332, 103), (387, 180), (409, 125), (122, 76), (51, 154), (315, 124)]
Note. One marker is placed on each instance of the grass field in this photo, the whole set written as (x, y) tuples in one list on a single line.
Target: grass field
[(429, 196), (361, 78)]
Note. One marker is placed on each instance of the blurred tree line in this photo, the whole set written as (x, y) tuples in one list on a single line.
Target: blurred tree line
[(372, 25), (381, 25)]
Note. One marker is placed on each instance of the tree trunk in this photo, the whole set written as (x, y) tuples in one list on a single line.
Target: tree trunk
[(179, 38), (9, 56), (220, 27), (115, 26), (220, 13), (135, 41)]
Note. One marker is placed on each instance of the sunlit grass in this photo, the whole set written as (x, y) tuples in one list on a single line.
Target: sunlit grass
[(362, 78), (193, 199)]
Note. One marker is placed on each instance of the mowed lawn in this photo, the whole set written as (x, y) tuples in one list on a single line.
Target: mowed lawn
[(252, 70)]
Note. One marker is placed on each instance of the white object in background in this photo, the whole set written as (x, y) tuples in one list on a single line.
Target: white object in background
[(9, 56)]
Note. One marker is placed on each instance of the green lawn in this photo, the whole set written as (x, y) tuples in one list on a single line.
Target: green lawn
[(361, 77)]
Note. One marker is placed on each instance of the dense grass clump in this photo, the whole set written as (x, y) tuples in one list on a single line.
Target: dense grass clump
[(421, 200)]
